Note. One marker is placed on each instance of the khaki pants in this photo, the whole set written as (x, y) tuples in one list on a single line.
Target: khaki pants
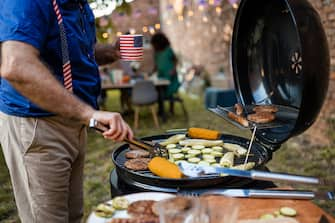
[(45, 158)]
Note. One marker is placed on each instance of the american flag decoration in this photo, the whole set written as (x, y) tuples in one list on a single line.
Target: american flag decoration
[(131, 47)]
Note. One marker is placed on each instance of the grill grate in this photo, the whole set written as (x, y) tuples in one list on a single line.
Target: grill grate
[(257, 156), (285, 116)]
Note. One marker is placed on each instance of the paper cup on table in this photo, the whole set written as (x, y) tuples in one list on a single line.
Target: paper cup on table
[(131, 47)]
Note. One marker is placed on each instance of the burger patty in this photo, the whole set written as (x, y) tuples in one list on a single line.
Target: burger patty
[(141, 208), (265, 108), (137, 164), (261, 117), (137, 153)]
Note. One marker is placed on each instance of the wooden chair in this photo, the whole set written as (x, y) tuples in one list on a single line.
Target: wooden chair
[(144, 94)]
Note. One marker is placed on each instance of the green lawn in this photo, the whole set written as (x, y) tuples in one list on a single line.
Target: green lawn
[(290, 158)]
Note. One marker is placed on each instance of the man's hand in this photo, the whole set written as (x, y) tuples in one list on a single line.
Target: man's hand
[(118, 128), (107, 53)]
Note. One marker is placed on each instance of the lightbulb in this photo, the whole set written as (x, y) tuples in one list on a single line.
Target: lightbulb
[(132, 31), (151, 30), (201, 7), (157, 26), (235, 5), (105, 35), (211, 2), (145, 29), (190, 13), (218, 10), (118, 33), (180, 18)]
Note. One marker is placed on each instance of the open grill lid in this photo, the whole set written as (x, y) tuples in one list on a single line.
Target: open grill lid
[(280, 56)]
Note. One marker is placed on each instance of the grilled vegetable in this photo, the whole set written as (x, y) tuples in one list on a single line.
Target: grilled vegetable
[(208, 157), (104, 210), (247, 166), (163, 168), (216, 154), (199, 147), (185, 149), (200, 133), (237, 149), (194, 152), (171, 146), (194, 160), (206, 151), (266, 216), (173, 139), (120, 203), (174, 151), (178, 156), (227, 160), (287, 211), (203, 142), (217, 148)]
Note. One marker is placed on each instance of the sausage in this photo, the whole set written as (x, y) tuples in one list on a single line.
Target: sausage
[(239, 119)]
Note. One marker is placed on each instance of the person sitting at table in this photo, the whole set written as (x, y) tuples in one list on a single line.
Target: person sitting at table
[(165, 64)]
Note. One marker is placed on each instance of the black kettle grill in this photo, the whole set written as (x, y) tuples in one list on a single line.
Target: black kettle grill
[(279, 57)]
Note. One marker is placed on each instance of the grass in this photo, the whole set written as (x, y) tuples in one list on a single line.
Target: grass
[(290, 158)]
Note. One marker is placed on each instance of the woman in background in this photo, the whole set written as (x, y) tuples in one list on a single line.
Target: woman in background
[(165, 65)]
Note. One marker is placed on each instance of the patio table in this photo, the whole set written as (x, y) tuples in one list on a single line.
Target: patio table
[(159, 84)]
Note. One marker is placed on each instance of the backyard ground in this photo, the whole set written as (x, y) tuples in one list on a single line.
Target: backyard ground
[(292, 157)]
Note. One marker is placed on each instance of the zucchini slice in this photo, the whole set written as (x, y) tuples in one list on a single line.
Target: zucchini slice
[(194, 160), (171, 146), (287, 211), (199, 147), (120, 203), (178, 156)]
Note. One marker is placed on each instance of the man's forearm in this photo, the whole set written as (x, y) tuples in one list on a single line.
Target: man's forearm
[(26, 73)]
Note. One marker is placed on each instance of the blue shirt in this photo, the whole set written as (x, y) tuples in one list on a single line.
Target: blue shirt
[(34, 22)]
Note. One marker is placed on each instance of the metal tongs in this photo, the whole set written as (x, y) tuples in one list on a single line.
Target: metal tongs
[(193, 170), (154, 149)]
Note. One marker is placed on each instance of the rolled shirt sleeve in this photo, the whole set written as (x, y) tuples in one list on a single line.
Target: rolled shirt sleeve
[(25, 20)]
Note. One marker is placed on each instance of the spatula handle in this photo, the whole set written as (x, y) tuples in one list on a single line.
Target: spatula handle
[(260, 175)]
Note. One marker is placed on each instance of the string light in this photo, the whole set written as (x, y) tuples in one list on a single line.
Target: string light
[(218, 10), (145, 29), (132, 31), (201, 8), (105, 35), (235, 5), (157, 26), (180, 18), (190, 13), (211, 2), (151, 30), (118, 33), (168, 22)]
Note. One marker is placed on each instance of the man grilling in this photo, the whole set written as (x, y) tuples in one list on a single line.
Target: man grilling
[(48, 90)]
